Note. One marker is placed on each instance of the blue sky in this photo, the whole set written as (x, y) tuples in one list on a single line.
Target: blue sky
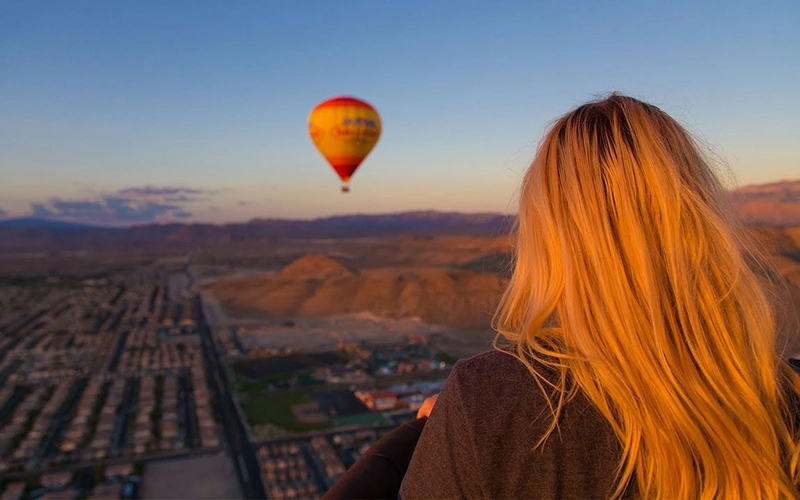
[(127, 112)]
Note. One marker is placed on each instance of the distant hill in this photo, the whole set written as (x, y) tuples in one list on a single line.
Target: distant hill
[(425, 222), (774, 204), (456, 298), (33, 234), (30, 222), (315, 266)]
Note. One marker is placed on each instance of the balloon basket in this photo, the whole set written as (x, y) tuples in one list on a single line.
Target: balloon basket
[(345, 189)]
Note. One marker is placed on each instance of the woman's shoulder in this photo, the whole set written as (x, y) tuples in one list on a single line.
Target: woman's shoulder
[(498, 379), (486, 359), (491, 416), (497, 366)]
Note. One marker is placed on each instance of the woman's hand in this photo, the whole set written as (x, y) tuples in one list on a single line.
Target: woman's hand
[(427, 406)]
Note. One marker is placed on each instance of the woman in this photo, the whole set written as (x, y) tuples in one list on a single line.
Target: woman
[(636, 341)]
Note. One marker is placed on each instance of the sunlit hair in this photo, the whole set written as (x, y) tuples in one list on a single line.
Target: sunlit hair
[(632, 278)]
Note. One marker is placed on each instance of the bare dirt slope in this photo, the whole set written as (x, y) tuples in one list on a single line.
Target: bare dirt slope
[(774, 204), (317, 285)]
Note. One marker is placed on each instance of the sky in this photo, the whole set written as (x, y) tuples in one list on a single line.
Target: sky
[(118, 113)]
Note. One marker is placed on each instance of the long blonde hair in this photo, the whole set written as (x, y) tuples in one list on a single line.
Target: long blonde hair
[(633, 279)]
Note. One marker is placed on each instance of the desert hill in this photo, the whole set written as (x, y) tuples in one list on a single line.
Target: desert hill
[(462, 252), (456, 298), (314, 266), (774, 204)]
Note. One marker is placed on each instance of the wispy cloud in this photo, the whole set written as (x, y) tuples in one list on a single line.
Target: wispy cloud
[(39, 210), (158, 191), (126, 206), (166, 194)]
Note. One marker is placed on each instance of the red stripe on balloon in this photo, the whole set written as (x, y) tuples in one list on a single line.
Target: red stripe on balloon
[(343, 101), (345, 166)]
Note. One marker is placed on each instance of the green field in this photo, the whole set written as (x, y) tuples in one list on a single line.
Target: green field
[(276, 409), (371, 418)]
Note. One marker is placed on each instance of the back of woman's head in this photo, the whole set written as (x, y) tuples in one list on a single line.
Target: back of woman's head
[(633, 278)]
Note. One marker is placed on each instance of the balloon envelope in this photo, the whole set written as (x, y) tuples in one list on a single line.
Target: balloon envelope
[(344, 130)]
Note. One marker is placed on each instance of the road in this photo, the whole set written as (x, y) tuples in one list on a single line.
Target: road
[(242, 451), (186, 410)]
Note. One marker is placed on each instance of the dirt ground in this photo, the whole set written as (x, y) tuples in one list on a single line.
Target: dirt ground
[(258, 330), (325, 333), (309, 413)]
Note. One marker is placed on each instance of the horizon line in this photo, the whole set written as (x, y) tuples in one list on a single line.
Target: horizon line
[(252, 219)]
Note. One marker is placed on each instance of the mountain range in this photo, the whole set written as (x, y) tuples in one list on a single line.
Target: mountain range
[(39, 235), (774, 204)]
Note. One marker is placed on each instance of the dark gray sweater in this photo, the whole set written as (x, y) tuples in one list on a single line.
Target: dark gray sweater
[(479, 440)]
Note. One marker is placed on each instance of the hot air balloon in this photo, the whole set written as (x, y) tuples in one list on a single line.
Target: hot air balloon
[(344, 130)]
